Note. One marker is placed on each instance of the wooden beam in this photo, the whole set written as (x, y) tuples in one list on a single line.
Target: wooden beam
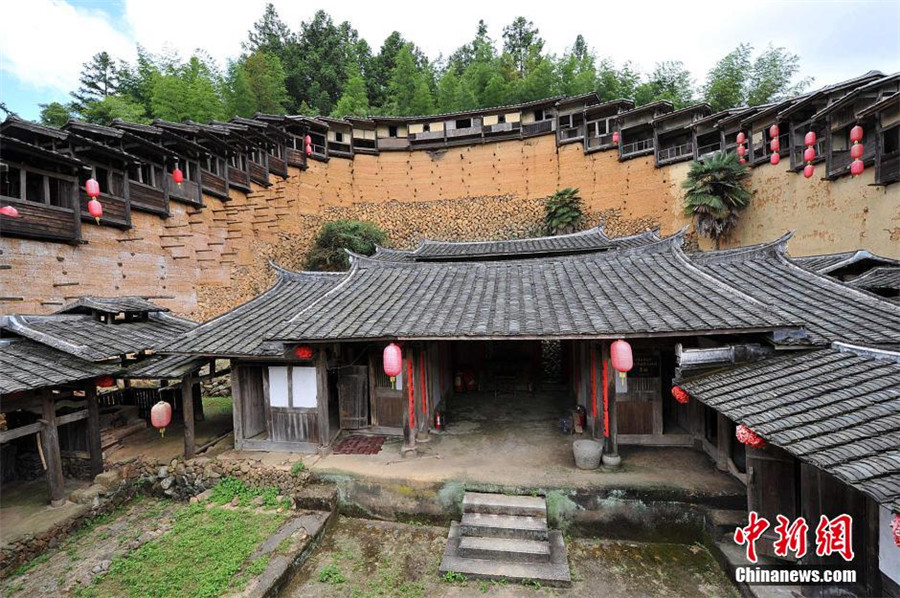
[(68, 418), (237, 406), (187, 408), (50, 445), (7, 435), (93, 429), (322, 397)]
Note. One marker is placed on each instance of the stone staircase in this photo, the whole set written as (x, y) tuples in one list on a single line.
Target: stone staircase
[(506, 537)]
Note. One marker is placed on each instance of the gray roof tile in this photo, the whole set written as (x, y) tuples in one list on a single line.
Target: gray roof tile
[(878, 278), (111, 305), (29, 365)]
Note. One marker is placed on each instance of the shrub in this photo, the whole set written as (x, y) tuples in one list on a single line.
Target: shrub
[(328, 253), (716, 192), (563, 212)]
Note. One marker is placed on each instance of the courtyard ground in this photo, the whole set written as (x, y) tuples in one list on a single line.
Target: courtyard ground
[(374, 559)]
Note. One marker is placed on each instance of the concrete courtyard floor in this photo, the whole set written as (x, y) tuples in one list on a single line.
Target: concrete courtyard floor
[(365, 558), (516, 442)]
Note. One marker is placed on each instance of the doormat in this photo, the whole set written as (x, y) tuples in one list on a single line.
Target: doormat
[(359, 445)]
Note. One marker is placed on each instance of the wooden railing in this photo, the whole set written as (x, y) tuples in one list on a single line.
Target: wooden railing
[(40, 221), (595, 141), (278, 166), (426, 136), (839, 161), (570, 133), (502, 128), (115, 210), (672, 153), (799, 150), (637, 146), (464, 132), (148, 199), (365, 145), (888, 170), (295, 157), (259, 174), (393, 143), (338, 148), (706, 151), (539, 128), (213, 184), (238, 177), (188, 191), (142, 398)]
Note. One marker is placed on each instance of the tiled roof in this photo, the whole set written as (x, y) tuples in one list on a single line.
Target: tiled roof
[(649, 290), (836, 408), (878, 278), (828, 309), (243, 330), (590, 240), (29, 365), (158, 367), (829, 262), (111, 305), (87, 338)]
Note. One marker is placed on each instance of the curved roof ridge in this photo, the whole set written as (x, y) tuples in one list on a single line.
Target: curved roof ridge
[(355, 259), (296, 275), (599, 229), (776, 248)]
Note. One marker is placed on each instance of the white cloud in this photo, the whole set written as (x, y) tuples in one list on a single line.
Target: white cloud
[(45, 42)]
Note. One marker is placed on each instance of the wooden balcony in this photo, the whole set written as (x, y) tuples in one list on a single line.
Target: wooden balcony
[(637, 148), (426, 136), (838, 163), (393, 143), (40, 221), (797, 152), (503, 129), (116, 211), (675, 153), (364, 146), (571, 134), (148, 199), (336, 148), (278, 166), (295, 157), (187, 192), (541, 127), (597, 142), (259, 174), (239, 179), (464, 132), (214, 185), (887, 170)]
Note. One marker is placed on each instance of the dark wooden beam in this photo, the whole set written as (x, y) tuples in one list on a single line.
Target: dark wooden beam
[(50, 445), (93, 429), (187, 407)]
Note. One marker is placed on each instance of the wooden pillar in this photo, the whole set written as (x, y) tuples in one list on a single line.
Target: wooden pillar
[(723, 437), (237, 405), (322, 399), (611, 454), (409, 391), (50, 445), (93, 429), (187, 408)]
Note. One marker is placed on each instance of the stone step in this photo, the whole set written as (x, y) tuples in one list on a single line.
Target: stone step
[(723, 522), (503, 504), (504, 549), (553, 573), (503, 526)]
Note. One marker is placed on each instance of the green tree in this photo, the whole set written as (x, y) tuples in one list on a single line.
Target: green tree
[(136, 81), (354, 101), (266, 78), (382, 66), (522, 46), (408, 88), (269, 34), (715, 193), (189, 91), (99, 78), (327, 253), (772, 75), (668, 81), (448, 99), (563, 212), (56, 114), (577, 69), (239, 95), (102, 112), (726, 82)]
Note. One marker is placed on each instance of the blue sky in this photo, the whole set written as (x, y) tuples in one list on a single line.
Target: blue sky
[(42, 52)]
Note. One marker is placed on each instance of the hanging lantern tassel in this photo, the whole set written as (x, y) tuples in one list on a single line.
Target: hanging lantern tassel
[(161, 416), (856, 151)]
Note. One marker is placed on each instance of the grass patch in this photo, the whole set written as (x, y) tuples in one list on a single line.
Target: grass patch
[(204, 550), (216, 405), (331, 574), (31, 564), (297, 468), (230, 488)]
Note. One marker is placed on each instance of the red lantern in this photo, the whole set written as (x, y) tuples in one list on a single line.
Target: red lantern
[(106, 381), (856, 134), (809, 154), (742, 161), (92, 188), (748, 437), (621, 357), (856, 151), (680, 395), (308, 150), (615, 138), (304, 352), (95, 210), (857, 167), (775, 145), (393, 362), (775, 159), (773, 131), (809, 170), (741, 137), (161, 416), (307, 140), (9, 211), (810, 138), (741, 151), (178, 176), (895, 528)]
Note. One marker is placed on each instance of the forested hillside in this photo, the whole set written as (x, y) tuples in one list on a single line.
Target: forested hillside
[(325, 68)]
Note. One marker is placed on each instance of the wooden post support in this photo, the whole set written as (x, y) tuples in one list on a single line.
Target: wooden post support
[(187, 407), (611, 454), (93, 428), (723, 444), (50, 441), (322, 400), (409, 412)]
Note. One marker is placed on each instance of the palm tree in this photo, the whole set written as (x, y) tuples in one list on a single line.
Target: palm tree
[(716, 192), (563, 212)]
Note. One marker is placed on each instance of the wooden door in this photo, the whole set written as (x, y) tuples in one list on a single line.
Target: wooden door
[(353, 398), (638, 399), (772, 489), (388, 404)]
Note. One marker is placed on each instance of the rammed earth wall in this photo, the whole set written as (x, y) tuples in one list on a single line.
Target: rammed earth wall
[(202, 262)]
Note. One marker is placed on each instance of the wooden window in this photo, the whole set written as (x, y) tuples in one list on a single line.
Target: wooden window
[(212, 165), (34, 188), (10, 181), (501, 118), (338, 137), (464, 123), (392, 131), (60, 192), (117, 183), (292, 386)]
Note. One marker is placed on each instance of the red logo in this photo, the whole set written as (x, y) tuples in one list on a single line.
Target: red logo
[(749, 535), (835, 535), (791, 538)]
